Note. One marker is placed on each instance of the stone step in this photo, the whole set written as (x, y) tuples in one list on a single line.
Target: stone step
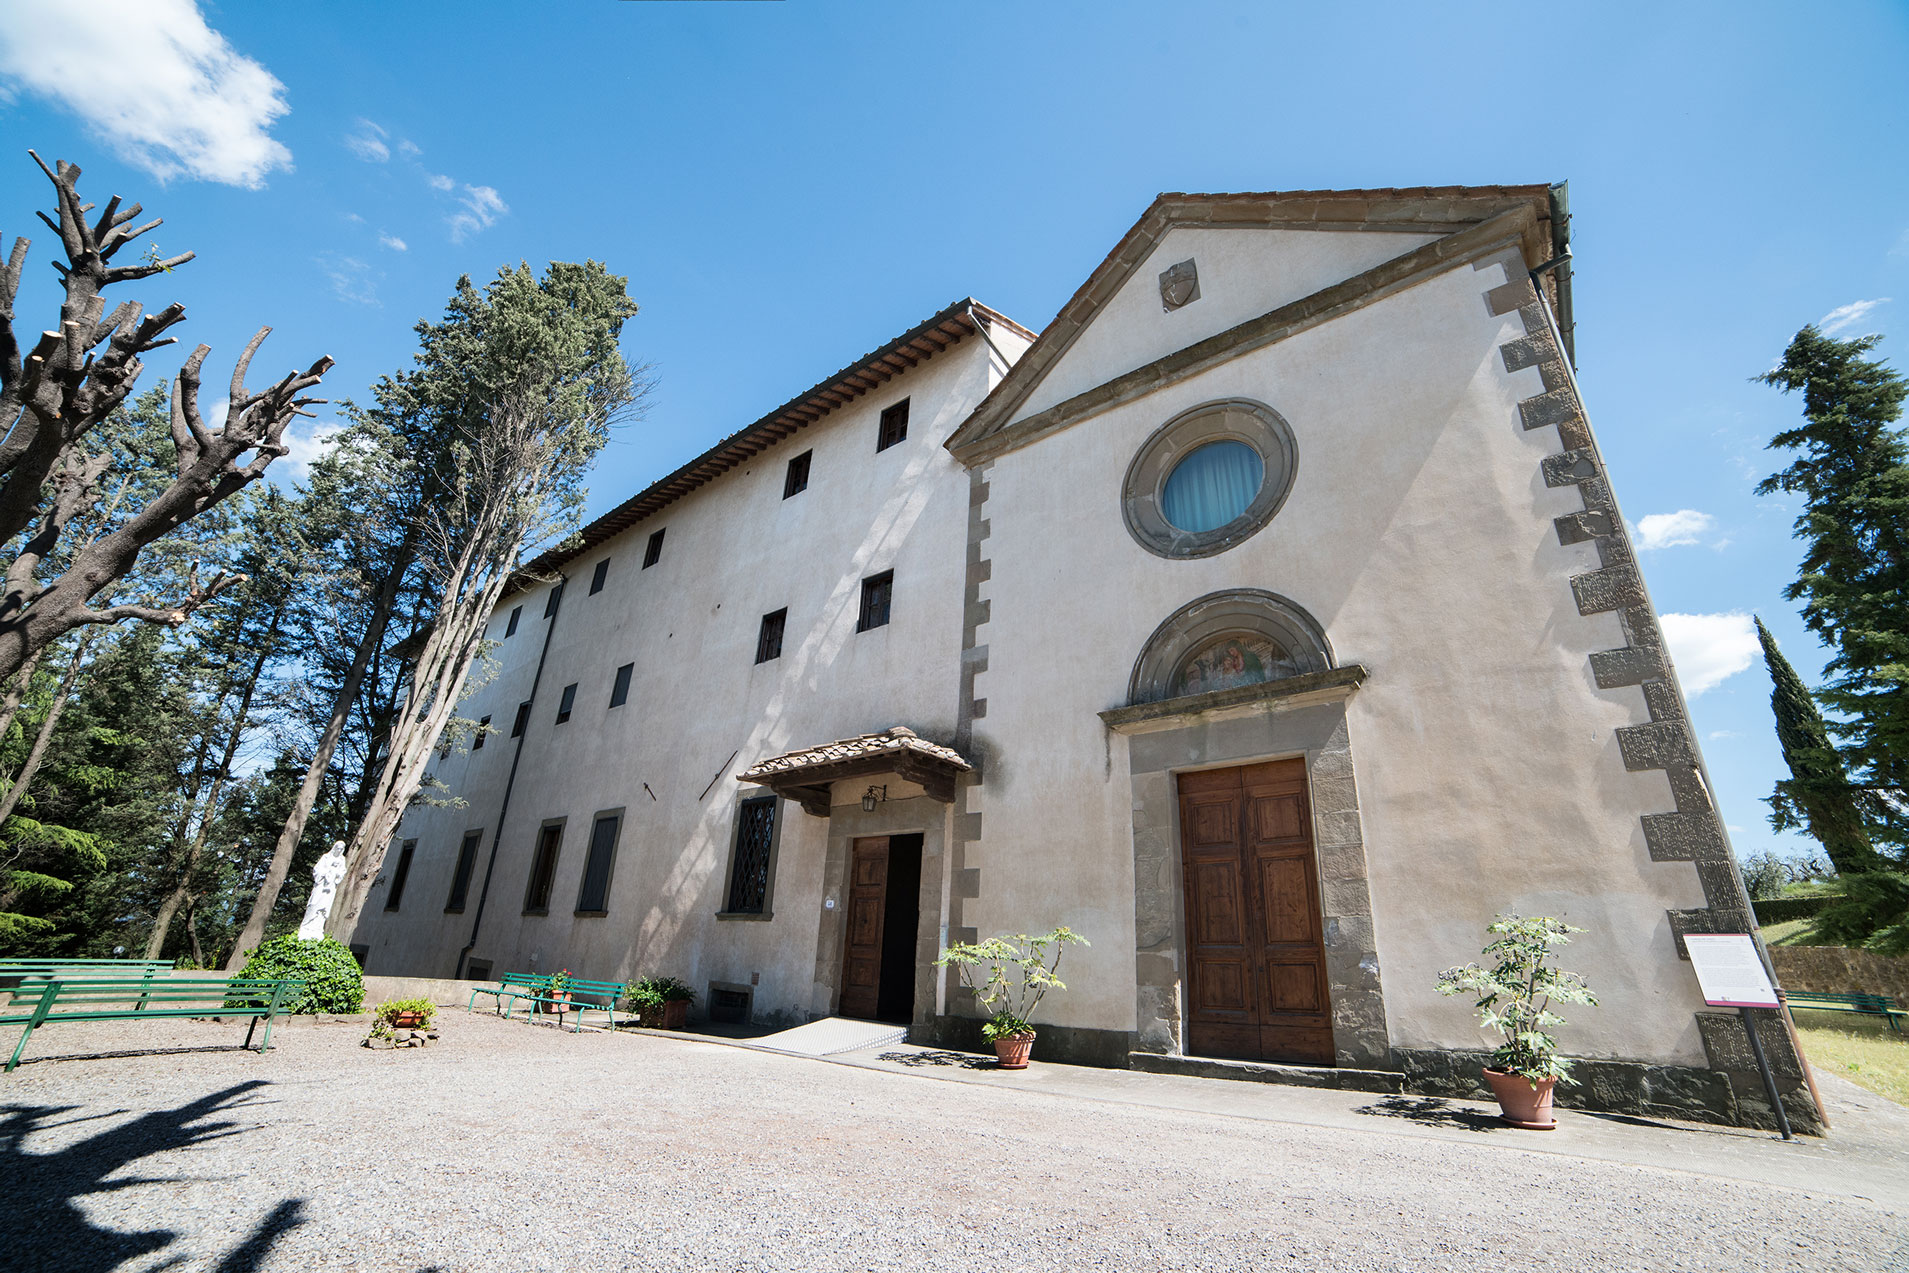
[(832, 1036), (1348, 1080)]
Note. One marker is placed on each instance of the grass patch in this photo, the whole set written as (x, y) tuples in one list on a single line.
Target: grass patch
[(1794, 932), (1863, 1051)]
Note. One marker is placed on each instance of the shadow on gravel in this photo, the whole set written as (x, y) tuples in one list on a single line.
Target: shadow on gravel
[(966, 1060), (47, 1227), (1431, 1111)]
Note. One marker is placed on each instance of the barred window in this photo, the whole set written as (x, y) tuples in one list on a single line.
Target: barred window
[(797, 479), (877, 592), (769, 640), (653, 551), (755, 836), (893, 427)]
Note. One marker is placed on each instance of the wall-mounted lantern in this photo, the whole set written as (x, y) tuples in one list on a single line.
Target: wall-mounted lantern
[(874, 796)]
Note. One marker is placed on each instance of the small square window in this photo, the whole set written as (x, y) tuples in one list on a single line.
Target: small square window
[(798, 479), (402, 874), (523, 719), (543, 870), (620, 692), (510, 629), (769, 640), (555, 599), (894, 426), (483, 730), (568, 701), (461, 877), (598, 576), (653, 552), (877, 592)]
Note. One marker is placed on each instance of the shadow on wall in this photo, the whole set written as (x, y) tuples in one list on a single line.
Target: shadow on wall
[(49, 1230)]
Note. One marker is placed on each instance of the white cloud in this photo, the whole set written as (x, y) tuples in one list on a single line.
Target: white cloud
[(482, 207), (1902, 245), (1668, 530), (368, 143), (439, 181), (393, 242), (1847, 316), (351, 279), (1715, 734), (154, 81), (308, 445), (1709, 648), (409, 149)]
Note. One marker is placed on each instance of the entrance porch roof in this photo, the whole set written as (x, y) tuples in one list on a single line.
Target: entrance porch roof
[(807, 775)]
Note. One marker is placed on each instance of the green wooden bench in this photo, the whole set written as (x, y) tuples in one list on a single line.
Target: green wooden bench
[(17, 972), (1868, 1005), (132, 998), (534, 988)]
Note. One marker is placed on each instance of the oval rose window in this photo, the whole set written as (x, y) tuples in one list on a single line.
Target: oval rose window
[(1214, 485)]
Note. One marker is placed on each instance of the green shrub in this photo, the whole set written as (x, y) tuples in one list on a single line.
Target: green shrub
[(333, 980), (387, 1013), (1777, 910), (1875, 914), (654, 992)]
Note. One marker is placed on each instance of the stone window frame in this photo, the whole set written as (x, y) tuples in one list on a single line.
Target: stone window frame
[(544, 829), (777, 821), (1241, 420), (609, 878), (1205, 619)]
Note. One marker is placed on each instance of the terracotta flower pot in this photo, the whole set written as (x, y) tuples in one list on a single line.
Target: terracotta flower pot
[(559, 1003), (675, 1014), (407, 1020), (1524, 1102), (1011, 1051)]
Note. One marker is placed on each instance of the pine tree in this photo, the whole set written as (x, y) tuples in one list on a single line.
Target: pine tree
[(1817, 796), (1852, 471)]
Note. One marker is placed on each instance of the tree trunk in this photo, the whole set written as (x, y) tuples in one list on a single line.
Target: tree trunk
[(282, 853), (267, 648), (31, 766), (17, 692)]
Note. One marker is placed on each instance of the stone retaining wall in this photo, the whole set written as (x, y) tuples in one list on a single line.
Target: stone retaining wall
[(441, 991), (1841, 970)]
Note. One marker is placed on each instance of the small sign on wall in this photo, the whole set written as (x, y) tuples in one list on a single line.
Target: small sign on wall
[(1728, 969)]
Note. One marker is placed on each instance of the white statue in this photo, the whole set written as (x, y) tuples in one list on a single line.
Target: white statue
[(327, 874)]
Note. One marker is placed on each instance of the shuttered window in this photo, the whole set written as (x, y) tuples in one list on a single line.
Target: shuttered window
[(594, 897), (461, 877), (877, 592)]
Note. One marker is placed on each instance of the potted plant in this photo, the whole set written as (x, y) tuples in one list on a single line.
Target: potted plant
[(662, 1003), (556, 996), (1514, 998), (1019, 971), (407, 1014)]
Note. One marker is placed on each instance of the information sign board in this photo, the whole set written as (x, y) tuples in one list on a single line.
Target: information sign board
[(1728, 969)]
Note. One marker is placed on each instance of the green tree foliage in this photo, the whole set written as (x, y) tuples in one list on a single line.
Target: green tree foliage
[(1817, 796), (1851, 468), (333, 980), (1873, 912)]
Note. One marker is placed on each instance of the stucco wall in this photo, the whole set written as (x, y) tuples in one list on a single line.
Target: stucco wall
[(700, 709), (1419, 533), (1244, 272)]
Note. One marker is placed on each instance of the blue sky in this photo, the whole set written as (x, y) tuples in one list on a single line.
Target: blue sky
[(789, 184)]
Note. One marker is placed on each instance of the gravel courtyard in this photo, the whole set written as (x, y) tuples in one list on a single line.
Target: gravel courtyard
[(510, 1146)]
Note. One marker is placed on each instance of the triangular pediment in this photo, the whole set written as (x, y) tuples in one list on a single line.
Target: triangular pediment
[(1252, 255)]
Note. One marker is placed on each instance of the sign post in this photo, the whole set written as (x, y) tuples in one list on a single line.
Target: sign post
[(1732, 976)]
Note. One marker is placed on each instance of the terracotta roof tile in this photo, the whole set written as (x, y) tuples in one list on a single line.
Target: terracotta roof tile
[(892, 741)]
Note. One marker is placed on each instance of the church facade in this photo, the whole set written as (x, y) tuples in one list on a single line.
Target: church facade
[(1268, 619)]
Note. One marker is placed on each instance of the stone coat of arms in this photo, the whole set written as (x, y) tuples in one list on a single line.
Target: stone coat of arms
[(1179, 285)]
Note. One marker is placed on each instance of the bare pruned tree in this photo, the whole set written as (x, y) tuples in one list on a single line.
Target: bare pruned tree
[(74, 377)]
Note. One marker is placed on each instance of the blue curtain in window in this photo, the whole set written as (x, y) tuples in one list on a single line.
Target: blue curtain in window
[(1212, 485)]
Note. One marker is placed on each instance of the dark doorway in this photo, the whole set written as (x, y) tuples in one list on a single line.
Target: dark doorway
[(1257, 962), (897, 999), (878, 949)]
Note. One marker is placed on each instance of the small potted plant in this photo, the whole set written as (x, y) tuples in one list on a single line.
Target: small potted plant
[(556, 996), (1514, 998), (407, 1014), (1014, 971), (662, 1003)]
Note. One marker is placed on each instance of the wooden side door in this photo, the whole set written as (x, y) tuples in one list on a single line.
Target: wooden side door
[(1255, 939), (862, 944)]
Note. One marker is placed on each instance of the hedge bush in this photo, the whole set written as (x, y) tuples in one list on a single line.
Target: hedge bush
[(1777, 910), (333, 980)]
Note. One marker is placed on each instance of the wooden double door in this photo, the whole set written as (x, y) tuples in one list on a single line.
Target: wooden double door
[(1256, 982), (884, 910)]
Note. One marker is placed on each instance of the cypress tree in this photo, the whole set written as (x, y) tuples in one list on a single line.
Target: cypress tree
[(1852, 469), (1817, 796)]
